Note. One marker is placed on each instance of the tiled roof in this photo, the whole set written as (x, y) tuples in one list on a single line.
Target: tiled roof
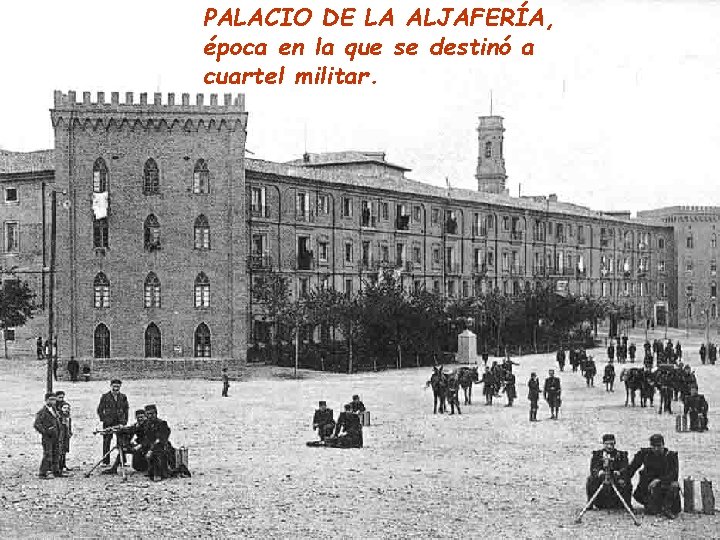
[(344, 158), (405, 185), (23, 162)]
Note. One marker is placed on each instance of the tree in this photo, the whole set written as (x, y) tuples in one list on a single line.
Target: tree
[(17, 305), (272, 290)]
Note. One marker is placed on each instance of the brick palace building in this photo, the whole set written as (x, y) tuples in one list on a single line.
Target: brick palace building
[(163, 223)]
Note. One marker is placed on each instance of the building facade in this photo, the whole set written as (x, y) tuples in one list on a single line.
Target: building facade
[(163, 224), (696, 230)]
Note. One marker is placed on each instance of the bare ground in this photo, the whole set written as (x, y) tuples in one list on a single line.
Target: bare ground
[(485, 472)]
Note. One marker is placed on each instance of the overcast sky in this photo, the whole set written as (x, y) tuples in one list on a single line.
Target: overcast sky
[(617, 109)]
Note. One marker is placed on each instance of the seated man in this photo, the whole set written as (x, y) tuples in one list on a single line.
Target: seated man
[(348, 431), (323, 421), (357, 405), (156, 446), (658, 489), (697, 407), (130, 440), (613, 462)]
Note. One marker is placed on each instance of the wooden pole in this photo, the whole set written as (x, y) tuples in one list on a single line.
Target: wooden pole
[(51, 290)]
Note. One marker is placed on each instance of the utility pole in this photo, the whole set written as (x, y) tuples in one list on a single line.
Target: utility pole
[(51, 291)]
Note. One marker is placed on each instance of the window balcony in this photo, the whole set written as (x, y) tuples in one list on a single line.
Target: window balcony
[(402, 223), (257, 261)]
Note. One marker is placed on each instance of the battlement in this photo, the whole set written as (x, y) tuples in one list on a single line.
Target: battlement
[(70, 101)]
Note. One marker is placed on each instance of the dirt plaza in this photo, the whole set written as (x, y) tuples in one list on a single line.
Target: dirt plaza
[(485, 472)]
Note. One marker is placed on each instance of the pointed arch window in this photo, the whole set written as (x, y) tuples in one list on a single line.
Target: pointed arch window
[(102, 291), (151, 233), (102, 341), (202, 341), (151, 178), (201, 177), (202, 291), (100, 176), (202, 233), (152, 291), (153, 342), (488, 150)]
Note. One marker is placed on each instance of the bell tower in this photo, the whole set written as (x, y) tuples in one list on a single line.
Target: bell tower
[(491, 162)]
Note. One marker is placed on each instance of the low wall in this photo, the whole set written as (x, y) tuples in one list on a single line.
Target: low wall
[(156, 368)]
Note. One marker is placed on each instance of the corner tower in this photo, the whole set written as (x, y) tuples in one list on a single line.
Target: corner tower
[(151, 220), (491, 162)]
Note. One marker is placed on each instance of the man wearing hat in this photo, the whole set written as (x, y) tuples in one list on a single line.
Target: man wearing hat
[(47, 423), (113, 411), (658, 489), (348, 431), (130, 438), (551, 393), (156, 446), (357, 405), (613, 462), (323, 421), (697, 407), (533, 395)]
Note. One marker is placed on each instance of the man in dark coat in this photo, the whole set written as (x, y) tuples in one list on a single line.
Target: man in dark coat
[(697, 407), (591, 371), (357, 405), (561, 359), (159, 453), (609, 377), (113, 411), (39, 348), (73, 367), (613, 462), (703, 353), (632, 350), (323, 421), (712, 353), (47, 423), (551, 393), (510, 389), (658, 489), (533, 395), (489, 382), (611, 351), (130, 439), (348, 431)]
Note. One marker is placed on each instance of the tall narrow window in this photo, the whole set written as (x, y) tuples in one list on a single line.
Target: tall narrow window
[(102, 341), (202, 233), (152, 233), (100, 233), (488, 150), (713, 241), (100, 176), (201, 177), (152, 291), (202, 291), (202, 341), (153, 342), (257, 201), (12, 237), (102, 291), (151, 178)]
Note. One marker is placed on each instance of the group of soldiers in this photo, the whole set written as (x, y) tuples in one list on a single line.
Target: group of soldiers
[(657, 490), (551, 392), (147, 441), (346, 432), (708, 353), (499, 378)]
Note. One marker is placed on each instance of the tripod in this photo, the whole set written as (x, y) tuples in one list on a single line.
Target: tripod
[(121, 457), (608, 481)]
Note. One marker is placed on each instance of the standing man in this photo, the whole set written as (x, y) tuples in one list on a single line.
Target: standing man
[(113, 411), (658, 489), (697, 407), (703, 353), (611, 351), (510, 389), (47, 423), (551, 392), (560, 357), (533, 395), (226, 382), (632, 349), (609, 377), (39, 348)]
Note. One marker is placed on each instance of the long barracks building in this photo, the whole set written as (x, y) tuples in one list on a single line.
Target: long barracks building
[(163, 224)]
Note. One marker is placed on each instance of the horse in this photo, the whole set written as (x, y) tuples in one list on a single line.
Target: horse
[(439, 383), (467, 376), (633, 379)]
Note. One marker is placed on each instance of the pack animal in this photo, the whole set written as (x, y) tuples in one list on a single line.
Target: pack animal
[(439, 384), (467, 376), (633, 379)]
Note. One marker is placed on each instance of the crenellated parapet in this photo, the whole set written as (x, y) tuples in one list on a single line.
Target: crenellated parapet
[(168, 113)]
